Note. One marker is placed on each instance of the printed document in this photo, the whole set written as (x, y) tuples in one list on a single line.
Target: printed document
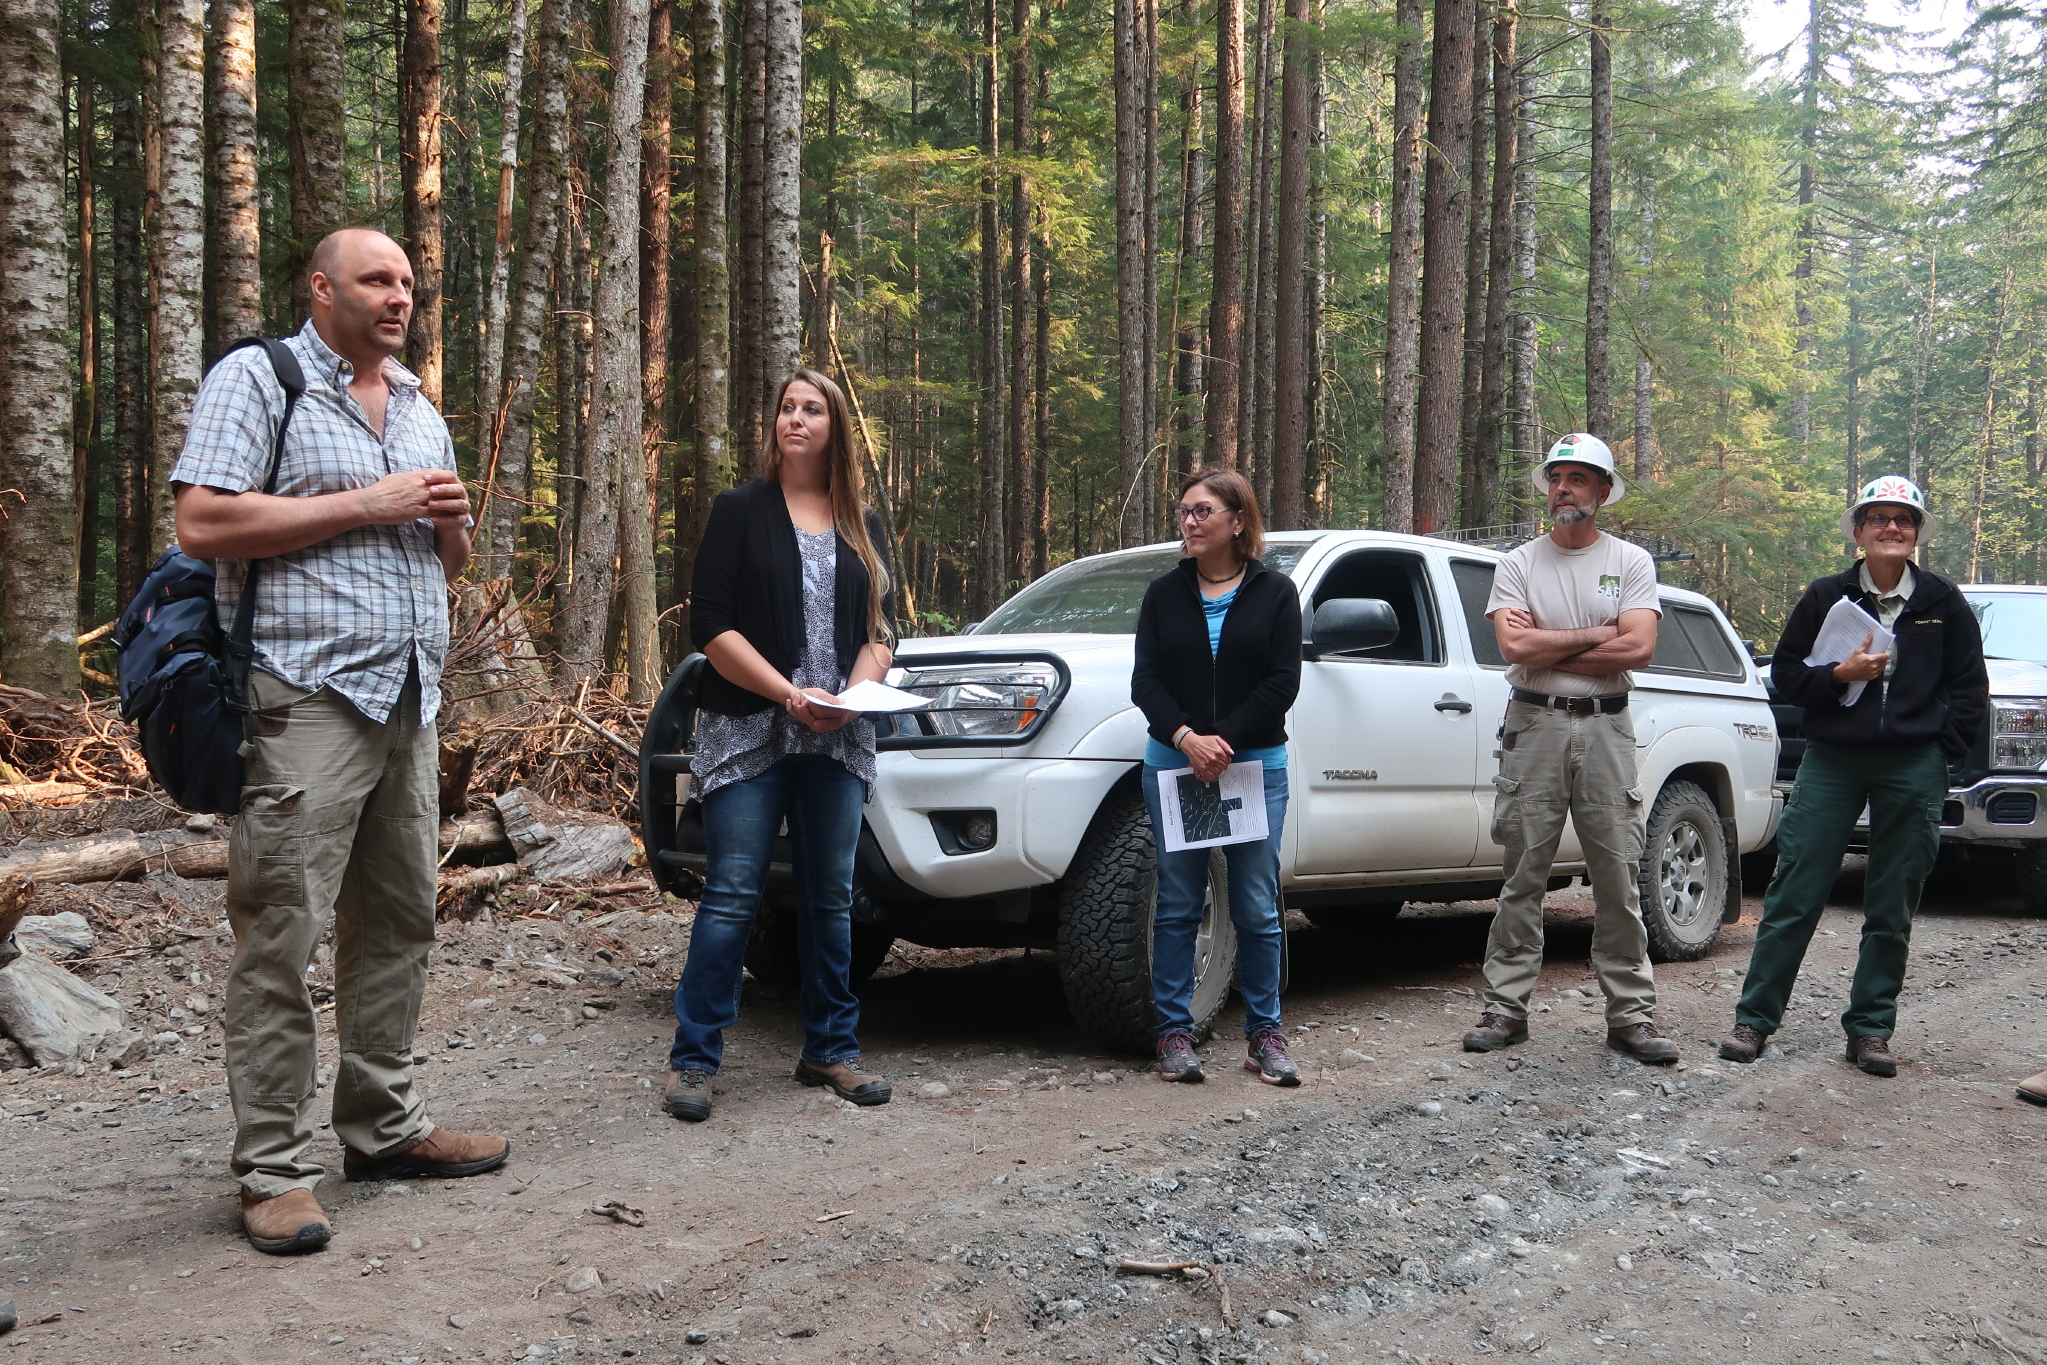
[(1841, 634), (871, 697), (1199, 814)]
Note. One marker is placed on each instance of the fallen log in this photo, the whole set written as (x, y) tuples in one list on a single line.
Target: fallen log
[(476, 837), (117, 855), (461, 893), (561, 844)]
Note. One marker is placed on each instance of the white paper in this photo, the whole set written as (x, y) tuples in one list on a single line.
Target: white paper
[(1841, 634), (1199, 814), (871, 697)]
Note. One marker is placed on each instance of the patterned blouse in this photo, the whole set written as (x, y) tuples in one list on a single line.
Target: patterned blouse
[(740, 748)]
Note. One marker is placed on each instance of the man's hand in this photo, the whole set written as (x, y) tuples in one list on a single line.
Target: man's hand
[(1862, 666), (1525, 643), (417, 494), (1209, 754)]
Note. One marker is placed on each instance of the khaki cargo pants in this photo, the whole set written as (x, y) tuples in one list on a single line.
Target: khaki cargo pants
[(339, 821), (1554, 764)]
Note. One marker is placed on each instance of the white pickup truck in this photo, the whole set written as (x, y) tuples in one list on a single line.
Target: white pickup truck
[(1009, 813)]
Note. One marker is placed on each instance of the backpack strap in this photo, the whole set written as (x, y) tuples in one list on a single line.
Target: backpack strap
[(241, 647)]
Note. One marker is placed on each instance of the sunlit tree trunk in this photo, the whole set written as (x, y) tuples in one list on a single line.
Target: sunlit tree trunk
[(319, 137), (748, 368), (490, 395), (235, 289), (1446, 201), (656, 228), (1599, 232), (1404, 270), (1499, 285), (781, 318), (713, 446), (1254, 379), (178, 249), (86, 461), (1220, 444), (420, 160)]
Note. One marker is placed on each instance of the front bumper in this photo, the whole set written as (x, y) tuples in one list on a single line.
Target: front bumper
[(2001, 811)]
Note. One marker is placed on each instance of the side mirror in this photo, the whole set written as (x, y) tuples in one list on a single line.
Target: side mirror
[(1348, 625)]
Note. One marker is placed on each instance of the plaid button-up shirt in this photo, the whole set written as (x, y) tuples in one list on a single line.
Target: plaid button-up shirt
[(356, 612)]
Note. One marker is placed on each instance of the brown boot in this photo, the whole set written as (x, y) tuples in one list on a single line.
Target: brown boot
[(846, 1080), (1872, 1053), (286, 1224), (1495, 1031), (2033, 1089), (1644, 1041), (440, 1154), (1745, 1044)]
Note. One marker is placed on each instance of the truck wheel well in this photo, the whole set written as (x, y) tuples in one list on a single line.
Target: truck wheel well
[(1710, 776)]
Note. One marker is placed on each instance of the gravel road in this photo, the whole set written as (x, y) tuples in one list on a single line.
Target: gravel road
[(1409, 1202)]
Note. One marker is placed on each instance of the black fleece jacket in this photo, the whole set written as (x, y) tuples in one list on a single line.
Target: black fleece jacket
[(1938, 691), (1244, 690), (748, 577)]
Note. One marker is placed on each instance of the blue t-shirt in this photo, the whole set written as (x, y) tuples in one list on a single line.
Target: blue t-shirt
[(1162, 755)]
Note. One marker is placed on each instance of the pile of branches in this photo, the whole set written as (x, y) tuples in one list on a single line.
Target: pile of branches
[(580, 751), (53, 748)]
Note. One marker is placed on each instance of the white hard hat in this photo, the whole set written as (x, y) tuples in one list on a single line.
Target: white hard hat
[(1580, 447), (1889, 488)]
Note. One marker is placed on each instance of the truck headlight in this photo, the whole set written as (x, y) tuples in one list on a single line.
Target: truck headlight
[(2021, 736), (982, 700)]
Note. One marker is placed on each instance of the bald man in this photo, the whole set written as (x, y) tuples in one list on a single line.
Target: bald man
[(340, 797)]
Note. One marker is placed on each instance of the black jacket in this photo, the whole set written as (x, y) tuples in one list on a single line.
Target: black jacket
[(749, 578), (1938, 691), (1241, 692)]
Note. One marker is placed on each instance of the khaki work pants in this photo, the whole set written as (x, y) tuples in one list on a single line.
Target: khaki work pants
[(339, 821), (1552, 765)]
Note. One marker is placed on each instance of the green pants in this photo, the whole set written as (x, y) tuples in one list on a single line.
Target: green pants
[(1903, 789), (339, 819)]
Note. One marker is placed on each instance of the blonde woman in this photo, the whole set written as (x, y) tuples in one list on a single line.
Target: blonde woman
[(791, 602)]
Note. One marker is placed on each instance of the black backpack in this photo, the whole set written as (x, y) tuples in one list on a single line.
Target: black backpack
[(184, 683)]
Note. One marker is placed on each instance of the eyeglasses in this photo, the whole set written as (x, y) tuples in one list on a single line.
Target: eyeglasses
[(1904, 521), (1200, 512)]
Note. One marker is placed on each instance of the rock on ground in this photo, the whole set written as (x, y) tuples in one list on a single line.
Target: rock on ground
[(55, 1016)]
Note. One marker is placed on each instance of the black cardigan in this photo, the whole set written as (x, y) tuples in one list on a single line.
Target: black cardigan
[(748, 577), (1242, 691), (1938, 691)]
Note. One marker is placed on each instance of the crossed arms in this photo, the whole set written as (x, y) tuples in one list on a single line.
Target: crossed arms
[(1595, 651)]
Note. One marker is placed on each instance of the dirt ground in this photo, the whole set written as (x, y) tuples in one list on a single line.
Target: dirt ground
[(1408, 1202)]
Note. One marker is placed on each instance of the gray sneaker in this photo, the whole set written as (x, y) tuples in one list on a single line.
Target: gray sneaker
[(1177, 1059), (1269, 1059)]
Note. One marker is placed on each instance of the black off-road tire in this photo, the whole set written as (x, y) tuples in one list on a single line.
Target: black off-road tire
[(1105, 915), (771, 951), (1684, 873)]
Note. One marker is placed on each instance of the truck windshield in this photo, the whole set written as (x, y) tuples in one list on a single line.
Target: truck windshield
[(1101, 595), (2014, 624)]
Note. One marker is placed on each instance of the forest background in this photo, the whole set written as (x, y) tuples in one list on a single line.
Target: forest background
[(1376, 253)]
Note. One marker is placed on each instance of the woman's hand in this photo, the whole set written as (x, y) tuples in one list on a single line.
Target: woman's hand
[(821, 719), (1209, 754), (1861, 666)]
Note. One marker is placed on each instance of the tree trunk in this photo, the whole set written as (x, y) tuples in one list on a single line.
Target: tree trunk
[(39, 551), (1147, 508), (507, 486), (1017, 484), (1492, 415), (713, 445), (319, 137), (1226, 277), (86, 461), (1476, 224), (748, 369), (1318, 289), (1290, 355), (1403, 271), (1189, 337), (1599, 235), (1852, 417), (1644, 440), (1132, 438), (990, 572), (419, 129), (131, 360), (490, 396), (782, 201), (1803, 346), (1041, 342), (1446, 201), (1254, 379), (656, 227), (1527, 420), (614, 522), (235, 287), (177, 257)]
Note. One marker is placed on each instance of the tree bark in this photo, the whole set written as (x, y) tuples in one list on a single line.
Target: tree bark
[(1446, 201), (1291, 341), (1599, 234), (235, 288), (1041, 341), (1492, 397), (1852, 417), (1017, 483), (1644, 437), (748, 368), (991, 569), (782, 200), (1220, 446), (713, 446), (490, 396), (614, 522), (508, 484), (318, 137), (178, 253), (1477, 222), (1133, 440), (86, 459), (39, 539), (1403, 271), (131, 359), (1527, 422), (656, 228), (1318, 290), (1190, 337), (1254, 379), (1803, 345), (420, 162)]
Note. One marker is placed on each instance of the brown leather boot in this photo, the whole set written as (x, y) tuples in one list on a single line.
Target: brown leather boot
[(1872, 1053), (1495, 1031), (2033, 1089), (846, 1080), (1745, 1044), (286, 1224), (440, 1154), (1644, 1042)]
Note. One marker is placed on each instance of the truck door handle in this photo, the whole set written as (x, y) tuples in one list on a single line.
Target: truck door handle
[(1457, 704)]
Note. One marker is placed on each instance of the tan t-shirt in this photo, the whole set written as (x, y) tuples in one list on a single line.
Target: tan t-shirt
[(1570, 590)]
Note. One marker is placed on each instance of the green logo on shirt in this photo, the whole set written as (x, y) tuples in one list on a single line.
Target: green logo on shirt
[(1610, 586)]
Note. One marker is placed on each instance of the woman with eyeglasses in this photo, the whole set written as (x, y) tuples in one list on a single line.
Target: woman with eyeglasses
[(1218, 666)]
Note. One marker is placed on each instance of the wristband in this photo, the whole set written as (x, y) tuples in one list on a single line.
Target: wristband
[(1181, 734)]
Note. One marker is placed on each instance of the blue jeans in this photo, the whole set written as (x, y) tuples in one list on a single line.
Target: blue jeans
[(821, 801), (1254, 909)]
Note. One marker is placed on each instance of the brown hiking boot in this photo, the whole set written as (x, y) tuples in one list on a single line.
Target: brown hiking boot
[(1495, 1031), (1872, 1053), (2033, 1089), (440, 1153), (1644, 1041), (287, 1224), (846, 1080), (688, 1095), (1745, 1044)]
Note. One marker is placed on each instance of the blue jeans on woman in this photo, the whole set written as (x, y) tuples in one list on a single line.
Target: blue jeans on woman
[(821, 802), (1254, 909)]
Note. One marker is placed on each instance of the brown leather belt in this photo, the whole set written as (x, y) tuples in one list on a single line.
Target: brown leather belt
[(1577, 706)]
